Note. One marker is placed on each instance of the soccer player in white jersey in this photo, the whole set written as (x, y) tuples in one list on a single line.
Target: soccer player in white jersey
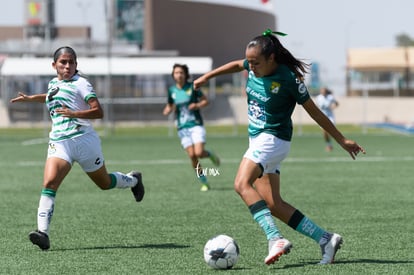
[(72, 102), (274, 86), (327, 103)]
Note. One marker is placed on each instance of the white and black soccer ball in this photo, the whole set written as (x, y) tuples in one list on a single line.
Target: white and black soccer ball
[(221, 252)]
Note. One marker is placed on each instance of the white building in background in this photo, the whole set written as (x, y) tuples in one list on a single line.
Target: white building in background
[(380, 72), (109, 30), (219, 29)]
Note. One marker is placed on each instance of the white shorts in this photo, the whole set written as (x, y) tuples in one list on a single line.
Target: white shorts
[(267, 151), (85, 150), (191, 136)]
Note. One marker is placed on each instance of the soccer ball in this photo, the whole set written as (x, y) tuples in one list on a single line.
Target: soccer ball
[(221, 252)]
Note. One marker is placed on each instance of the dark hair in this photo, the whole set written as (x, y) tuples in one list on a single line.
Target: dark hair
[(184, 68), (269, 44), (327, 90), (62, 50)]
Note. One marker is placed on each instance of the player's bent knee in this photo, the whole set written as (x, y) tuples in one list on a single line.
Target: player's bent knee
[(240, 186)]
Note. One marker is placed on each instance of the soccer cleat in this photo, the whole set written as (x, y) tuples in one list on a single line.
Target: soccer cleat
[(40, 239), (214, 158), (329, 148), (330, 248), (276, 249), (138, 190), (205, 187)]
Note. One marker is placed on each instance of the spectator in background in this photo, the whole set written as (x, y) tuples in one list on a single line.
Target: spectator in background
[(327, 103)]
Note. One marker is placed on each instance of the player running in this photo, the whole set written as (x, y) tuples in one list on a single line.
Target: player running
[(72, 102), (186, 102)]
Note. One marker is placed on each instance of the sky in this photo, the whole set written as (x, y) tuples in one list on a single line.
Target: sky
[(319, 31), (322, 30)]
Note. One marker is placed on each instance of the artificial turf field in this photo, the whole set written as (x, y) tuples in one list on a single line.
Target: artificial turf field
[(368, 201)]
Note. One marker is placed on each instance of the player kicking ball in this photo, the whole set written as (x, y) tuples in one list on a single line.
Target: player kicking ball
[(273, 88)]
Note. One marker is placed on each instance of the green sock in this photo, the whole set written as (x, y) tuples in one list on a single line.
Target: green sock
[(113, 181), (262, 215), (202, 179), (306, 226)]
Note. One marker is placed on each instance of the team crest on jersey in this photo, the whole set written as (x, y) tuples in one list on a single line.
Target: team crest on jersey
[(302, 88), (188, 91), (274, 88)]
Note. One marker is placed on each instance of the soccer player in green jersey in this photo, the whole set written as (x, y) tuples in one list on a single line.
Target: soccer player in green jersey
[(186, 102), (274, 86), (72, 102)]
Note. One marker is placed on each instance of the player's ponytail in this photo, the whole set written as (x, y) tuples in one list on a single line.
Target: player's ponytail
[(270, 44)]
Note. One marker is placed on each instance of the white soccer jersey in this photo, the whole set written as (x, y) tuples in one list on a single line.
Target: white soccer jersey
[(74, 94), (325, 103)]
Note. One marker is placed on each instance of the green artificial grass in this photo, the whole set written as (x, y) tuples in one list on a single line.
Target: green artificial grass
[(369, 201)]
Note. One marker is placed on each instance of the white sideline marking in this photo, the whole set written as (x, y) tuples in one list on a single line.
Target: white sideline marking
[(230, 161), (35, 141)]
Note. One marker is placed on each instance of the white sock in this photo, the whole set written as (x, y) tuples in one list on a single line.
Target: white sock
[(45, 213), (124, 181)]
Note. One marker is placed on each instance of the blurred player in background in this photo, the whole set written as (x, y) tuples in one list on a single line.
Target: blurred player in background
[(186, 102), (327, 103), (72, 102), (274, 87)]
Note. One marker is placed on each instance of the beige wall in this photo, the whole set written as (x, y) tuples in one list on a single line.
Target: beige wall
[(17, 32), (351, 110), (7, 33)]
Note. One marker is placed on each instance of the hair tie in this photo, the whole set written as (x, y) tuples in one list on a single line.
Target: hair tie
[(269, 32)]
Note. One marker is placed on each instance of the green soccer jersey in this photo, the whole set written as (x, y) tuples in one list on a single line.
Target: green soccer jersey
[(271, 101), (185, 118)]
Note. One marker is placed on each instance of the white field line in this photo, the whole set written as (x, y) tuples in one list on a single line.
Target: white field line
[(35, 141), (229, 161)]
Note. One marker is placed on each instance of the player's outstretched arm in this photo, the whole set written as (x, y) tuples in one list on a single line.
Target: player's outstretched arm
[(231, 67), (349, 145), (22, 97)]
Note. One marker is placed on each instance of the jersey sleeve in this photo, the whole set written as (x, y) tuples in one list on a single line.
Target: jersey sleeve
[(86, 89), (246, 65), (198, 94), (170, 100), (332, 100), (195, 94), (300, 91)]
